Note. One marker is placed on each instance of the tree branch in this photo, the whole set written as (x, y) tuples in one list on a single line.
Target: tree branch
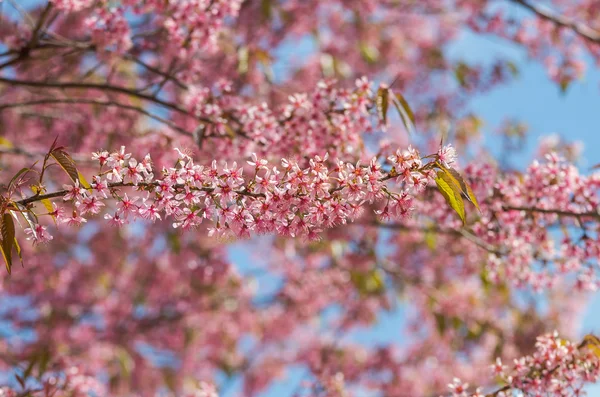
[(85, 101), (60, 193), (579, 28), (453, 232), (159, 72), (101, 87), (569, 214)]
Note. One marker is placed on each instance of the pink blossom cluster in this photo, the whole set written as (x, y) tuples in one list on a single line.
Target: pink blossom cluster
[(192, 26), (68, 379), (558, 367), (110, 30), (560, 50), (288, 200), (526, 207), (73, 382), (328, 118)]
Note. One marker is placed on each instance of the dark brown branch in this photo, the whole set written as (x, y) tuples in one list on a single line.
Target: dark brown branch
[(579, 28), (569, 214), (142, 185), (159, 72), (100, 87), (85, 101), (36, 155)]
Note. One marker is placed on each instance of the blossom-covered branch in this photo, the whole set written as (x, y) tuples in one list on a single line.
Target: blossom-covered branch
[(291, 199), (558, 367)]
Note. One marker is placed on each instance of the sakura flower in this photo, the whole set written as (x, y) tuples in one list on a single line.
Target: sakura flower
[(115, 220), (90, 204), (38, 234), (74, 220), (74, 192), (447, 155)]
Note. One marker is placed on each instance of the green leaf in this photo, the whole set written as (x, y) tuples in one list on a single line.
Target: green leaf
[(327, 62), (514, 70), (405, 112), (471, 197), (369, 52), (267, 9), (564, 85), (593, 344), (48, 205), (464, 186), (368, 283), (66, 163), (451, 192), (169, 379), (461, 72), (174, 242), (126, 362), (5, 142), (440, 321), (243, 60), (18, 247), (25, 214), (17, 175), (8, 239), (83, 181), (383, 97), (44, 360), (430, 240), (46, 202)]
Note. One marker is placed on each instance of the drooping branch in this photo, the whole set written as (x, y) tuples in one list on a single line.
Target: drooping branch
[(100, 87)]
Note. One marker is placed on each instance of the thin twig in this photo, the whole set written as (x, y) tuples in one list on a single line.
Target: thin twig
[(591, 214), (85, 101), (454, 232), (100, 87)]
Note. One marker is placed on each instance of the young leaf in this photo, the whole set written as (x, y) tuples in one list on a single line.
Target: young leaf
[(451, 192), (25, 214), (66, 163), (471, 197), (464, 186), (368, 283), (45, 202), (18, 247), (383, 97), (5, 142), (405, 112), (17, 175), (461, 73), (440, 321), (8, 238), (243, 60), (83, 181), (593, 343), (267, 9), (48, 205), (368, 52)]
